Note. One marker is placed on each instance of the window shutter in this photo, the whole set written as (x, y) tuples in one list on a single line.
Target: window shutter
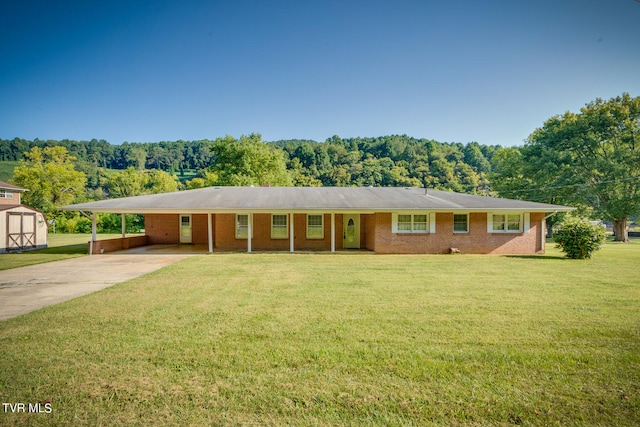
[(432, 222), (394, 222), (527, 222), (489, 222)]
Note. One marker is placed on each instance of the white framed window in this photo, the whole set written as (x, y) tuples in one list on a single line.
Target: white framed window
[(6, 194), (242, 226), (413, 222), (460, 223), (279, 226), (315, 226), (505, 222)]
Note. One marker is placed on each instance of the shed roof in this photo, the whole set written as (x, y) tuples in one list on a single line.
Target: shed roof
[(305, 199)]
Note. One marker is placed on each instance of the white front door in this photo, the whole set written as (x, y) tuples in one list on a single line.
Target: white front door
[(351, 231), (185, 228)]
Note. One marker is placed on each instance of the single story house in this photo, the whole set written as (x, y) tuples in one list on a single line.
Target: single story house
[(21, 227), (383, 220)]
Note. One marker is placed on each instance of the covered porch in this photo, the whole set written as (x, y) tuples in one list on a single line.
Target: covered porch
[(245, 231)]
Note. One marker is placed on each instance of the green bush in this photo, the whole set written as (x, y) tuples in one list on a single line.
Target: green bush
[(579, 239)]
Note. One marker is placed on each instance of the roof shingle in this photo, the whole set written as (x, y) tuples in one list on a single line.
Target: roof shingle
[(327, 199)]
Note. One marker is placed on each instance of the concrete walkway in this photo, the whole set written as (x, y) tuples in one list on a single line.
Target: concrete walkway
[(26, 289)]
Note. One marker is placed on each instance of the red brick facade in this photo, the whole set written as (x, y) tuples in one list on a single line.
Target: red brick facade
[(111, 245), (376, 234), (477, 240)]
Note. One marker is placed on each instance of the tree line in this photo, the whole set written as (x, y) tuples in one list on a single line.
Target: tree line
[(396, 160), (589, 159)]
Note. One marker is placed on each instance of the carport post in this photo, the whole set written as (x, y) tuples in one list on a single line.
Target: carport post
[(333, 231), (124, 225), (249, 231), (291, 233), (210, 231), (94, 220)]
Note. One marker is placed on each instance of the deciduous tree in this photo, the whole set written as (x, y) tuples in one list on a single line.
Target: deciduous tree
[(249, 161), (50, 176), (601, 145)]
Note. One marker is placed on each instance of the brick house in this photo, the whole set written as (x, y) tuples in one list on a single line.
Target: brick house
[(21, 227), (383, 220)]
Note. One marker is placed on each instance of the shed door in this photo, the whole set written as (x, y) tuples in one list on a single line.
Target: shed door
[(21, 230), (185, 228), (351, 229)]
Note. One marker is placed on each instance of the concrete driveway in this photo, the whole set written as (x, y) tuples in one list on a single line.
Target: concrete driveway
[(26, 289)]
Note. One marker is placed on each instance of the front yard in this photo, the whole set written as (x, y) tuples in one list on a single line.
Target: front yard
[(339, 339)]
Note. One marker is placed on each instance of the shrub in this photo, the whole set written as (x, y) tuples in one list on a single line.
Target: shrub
[(579, 239)]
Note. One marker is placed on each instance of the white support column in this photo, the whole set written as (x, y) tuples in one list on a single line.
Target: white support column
[(333, 231), (94, 220), (124, 225), (291, 233), (249, 231), (210, 231)]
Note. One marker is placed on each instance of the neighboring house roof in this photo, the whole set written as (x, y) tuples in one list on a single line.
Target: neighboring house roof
[(7, 186), (305, 199)]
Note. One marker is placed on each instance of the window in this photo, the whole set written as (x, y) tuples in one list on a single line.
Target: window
[(506, 223), (315, 229), (420, 223), (460, 223), (410, 223), (242, 226), (6, 194), (279, 226), (404, 223)]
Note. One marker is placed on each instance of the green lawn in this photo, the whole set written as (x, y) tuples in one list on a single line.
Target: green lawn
[(61, 246), (340, 339), (6, 169)]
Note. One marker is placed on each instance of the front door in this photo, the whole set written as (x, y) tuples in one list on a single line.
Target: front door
[(351, 231), (185, 228)]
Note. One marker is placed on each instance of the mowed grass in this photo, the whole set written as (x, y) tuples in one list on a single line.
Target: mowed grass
[(61, 246), (342, 339)]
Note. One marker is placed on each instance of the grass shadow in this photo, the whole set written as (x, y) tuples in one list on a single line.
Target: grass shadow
[(63, 250), (554, 257)]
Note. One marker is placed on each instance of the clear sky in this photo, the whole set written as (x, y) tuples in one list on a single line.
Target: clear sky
[(453, 71)]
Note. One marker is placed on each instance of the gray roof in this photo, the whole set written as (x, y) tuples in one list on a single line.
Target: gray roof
[(305, 199), (7, 186)]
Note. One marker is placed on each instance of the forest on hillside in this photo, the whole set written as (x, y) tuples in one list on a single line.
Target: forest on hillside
[(588, 160), (395, 160)]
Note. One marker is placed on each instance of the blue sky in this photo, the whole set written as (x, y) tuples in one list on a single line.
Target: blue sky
[(453, 71)]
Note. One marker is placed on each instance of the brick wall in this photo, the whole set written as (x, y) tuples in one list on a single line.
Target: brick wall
[(300, 235), (162, 229), (199, 233), (339, 231), (375, 234), (111, 245), (477, 240), (368, 231), (225, 238)]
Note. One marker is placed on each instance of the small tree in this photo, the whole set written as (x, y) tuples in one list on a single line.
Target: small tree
[(579, 239)]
